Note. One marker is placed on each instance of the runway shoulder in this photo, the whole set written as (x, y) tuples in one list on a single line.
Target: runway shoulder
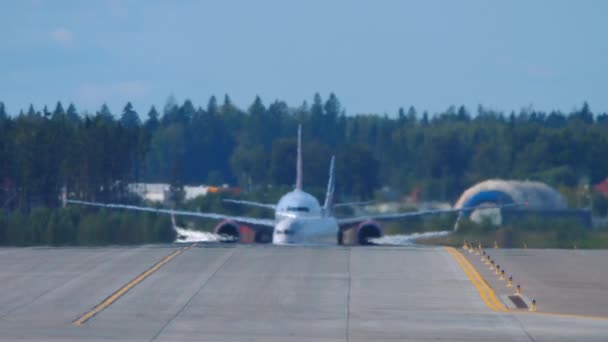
[(573, 282)]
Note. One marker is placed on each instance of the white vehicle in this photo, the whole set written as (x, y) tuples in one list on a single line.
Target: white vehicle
[(299, 218)]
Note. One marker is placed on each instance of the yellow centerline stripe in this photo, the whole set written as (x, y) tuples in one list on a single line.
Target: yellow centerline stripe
[(498, 305), (108, 301), (485, 292), (474, 281)]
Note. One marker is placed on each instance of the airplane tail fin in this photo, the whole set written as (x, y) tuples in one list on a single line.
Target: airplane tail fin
[(299, 162), (331, 185)]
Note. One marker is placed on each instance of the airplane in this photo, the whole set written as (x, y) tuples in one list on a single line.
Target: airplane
[(298, 219)]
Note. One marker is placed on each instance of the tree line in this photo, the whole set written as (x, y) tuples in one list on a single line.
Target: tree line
[(83, 227), (94, 155)]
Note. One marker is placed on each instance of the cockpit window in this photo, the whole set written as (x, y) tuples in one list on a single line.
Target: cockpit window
[(300, 209)]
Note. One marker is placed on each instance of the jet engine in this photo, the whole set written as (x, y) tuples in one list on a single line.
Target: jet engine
[(229, 229), (360, 234), (243, 234), (367, 230)]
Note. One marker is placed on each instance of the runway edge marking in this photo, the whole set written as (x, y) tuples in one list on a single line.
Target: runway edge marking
[(113, 297), (490, 299), (485, 291)]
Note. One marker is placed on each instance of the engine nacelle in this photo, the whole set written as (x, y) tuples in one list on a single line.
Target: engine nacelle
[(367, 230), (230, 229)]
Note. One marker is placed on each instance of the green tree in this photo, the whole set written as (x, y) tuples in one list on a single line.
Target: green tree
[(3, 115), (105, 113), (357, 171), (212, 107), (129, 117)]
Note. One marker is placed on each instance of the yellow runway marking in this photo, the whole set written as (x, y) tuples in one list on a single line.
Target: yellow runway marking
[(101, 306), (485, 292), (489, 297), (565, 315)]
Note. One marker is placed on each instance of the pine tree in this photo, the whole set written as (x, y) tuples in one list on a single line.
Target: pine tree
[(105, 112), (257, 109), (330, 119), (401, 115), (584, 114), (229, 108), (411, 114), (129, 117), (227, 101), (332, 106), (58, 112), (31, 112), (72, 113), (152, 123), (316, 117), (425, 118), (463, 114), (3, 114), (170, 105), (317, 106), (186, 112), (212, 108), (45, 112)]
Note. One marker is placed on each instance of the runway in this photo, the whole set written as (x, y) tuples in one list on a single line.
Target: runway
[(259, 293), (572, 282)]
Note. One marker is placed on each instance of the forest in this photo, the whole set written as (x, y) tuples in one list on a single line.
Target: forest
[(94, 155)]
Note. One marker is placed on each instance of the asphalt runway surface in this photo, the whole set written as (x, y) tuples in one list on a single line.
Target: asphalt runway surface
[(260, 293)]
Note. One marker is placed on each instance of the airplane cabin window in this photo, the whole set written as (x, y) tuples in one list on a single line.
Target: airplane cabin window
[(301, 209)]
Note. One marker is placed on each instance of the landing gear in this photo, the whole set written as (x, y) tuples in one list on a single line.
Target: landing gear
[(263, 237)]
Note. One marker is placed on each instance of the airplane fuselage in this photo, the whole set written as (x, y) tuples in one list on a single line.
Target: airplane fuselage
[(300, 219)]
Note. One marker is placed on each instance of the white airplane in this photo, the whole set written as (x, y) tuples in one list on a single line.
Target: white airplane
[(299, 218)]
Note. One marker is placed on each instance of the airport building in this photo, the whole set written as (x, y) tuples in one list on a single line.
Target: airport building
[(540, 199), (160, 192)]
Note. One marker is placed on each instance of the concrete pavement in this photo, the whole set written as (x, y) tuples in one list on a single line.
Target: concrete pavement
[(562, 281), (259, 293)]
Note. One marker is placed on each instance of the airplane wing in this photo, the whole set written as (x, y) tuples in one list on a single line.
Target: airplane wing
[(353, 204), (395, 216), (239, 219), (252, 203)]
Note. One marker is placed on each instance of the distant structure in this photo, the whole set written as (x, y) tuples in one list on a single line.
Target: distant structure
[(541, 200), (602, 187), (160, 192), (539, 196), (153, 192)]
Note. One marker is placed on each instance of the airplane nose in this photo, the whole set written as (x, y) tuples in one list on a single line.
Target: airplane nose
[(285, 232)]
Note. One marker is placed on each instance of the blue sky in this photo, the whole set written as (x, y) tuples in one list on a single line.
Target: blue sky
[(375, 55)]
